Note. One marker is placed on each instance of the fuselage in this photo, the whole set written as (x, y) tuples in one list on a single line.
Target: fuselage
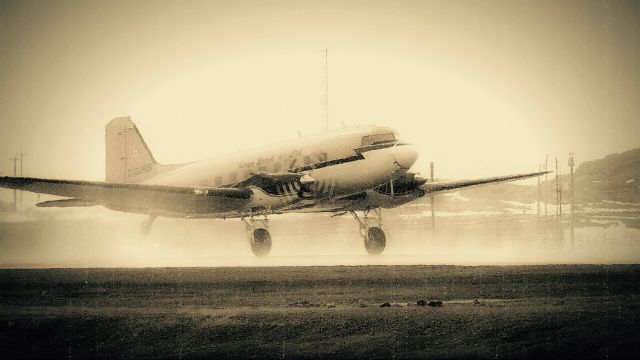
[(341, 163)]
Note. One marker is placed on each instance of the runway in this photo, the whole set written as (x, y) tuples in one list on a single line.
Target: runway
[(559, 311)]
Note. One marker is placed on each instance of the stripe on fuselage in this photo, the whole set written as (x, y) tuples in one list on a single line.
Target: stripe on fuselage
[(358, 156)]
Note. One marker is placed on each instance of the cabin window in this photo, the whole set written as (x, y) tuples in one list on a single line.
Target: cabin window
[(233, 178), (378, 139), (218, 181)]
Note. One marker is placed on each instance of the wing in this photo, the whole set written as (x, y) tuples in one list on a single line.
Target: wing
[(443, 186), (143, 198)]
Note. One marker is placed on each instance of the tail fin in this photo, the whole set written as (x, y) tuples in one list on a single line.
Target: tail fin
[(128, 157)]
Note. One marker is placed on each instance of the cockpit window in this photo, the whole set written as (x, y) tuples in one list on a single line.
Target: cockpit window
[(378, 139)]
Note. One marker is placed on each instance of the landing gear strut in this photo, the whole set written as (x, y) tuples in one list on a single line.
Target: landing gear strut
[(146, 226), (258, 235), (371, 231)]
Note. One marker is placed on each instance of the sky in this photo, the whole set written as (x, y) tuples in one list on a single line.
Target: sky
[(482, 88)]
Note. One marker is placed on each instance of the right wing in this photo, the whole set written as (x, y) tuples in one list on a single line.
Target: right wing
[(134, 197), (444, 186)]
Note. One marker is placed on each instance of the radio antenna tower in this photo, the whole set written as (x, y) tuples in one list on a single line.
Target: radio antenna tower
[(324, 89)]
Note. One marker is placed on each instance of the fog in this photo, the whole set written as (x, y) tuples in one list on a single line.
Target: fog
[(482, 89), (97, 237)]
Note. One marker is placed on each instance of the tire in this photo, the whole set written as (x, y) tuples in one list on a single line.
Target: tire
[(375, 241), (261, 242)]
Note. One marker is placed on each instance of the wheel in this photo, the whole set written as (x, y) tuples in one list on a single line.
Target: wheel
[(375, 241), (261, 242)]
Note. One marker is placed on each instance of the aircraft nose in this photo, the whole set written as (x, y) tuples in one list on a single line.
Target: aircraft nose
[(405, 155)]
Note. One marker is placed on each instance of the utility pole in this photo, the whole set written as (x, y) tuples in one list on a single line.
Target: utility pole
[(433, 209), (546, 183), (15, 193), (20, 157), (558, 191), (558, 205), (539, 169), (571, 163), (572, 193), (324, 88)]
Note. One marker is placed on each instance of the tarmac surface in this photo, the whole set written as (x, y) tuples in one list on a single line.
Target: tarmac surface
[(513, 312)]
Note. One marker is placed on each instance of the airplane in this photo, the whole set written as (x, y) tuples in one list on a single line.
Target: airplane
[(351, 170)]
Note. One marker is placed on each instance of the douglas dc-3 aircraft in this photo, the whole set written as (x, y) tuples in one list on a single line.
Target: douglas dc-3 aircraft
[(360, 169)]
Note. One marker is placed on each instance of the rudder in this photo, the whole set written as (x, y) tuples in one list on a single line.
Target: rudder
[(128, 159)]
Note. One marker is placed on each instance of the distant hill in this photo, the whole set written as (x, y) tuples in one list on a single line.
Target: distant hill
[(615, 178)]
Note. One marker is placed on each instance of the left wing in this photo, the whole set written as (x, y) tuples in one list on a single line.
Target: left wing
[(145, 198), (444, 186)]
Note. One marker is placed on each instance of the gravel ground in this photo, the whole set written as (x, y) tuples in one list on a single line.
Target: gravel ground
[(586, 311)]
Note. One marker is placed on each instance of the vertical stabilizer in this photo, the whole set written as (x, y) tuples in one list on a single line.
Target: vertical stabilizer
[(128, 157)]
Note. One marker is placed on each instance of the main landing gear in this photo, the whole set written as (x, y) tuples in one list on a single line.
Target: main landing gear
[(371, 230), (258, 235)]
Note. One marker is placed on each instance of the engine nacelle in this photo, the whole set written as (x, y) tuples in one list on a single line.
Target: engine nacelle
[(405, 184)]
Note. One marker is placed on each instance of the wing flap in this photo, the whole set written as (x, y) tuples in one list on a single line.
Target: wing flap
[(443, 186), (66, 203)]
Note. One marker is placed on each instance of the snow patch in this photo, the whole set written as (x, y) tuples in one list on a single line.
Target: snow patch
[(456, 196), (427, 214), (609, 210), (620, 203)]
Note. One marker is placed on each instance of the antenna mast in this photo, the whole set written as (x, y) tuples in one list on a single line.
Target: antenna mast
[(324, 89), (20, 157)]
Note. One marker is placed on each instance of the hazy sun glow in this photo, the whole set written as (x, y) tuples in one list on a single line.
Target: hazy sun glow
[(481, 88)]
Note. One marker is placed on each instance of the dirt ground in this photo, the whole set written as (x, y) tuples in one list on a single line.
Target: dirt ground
[(577, 311)]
